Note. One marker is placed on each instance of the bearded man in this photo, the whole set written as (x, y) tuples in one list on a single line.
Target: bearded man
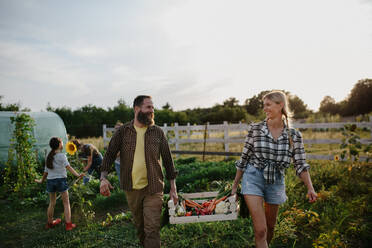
[(141, 144)]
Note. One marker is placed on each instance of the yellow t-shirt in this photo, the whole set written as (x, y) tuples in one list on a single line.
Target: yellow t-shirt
[(139, 171)]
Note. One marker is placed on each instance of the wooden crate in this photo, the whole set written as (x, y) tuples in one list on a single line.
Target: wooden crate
[(200, 198)]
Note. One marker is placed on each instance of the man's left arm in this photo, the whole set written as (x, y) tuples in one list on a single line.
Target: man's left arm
[(170, 170)]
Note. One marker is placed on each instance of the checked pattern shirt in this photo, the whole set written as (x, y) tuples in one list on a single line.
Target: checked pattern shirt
[(273, 156), (156, 146)]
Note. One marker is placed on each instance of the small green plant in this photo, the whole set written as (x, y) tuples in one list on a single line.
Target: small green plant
[(306, 219), (116, 218), (20, 169), (81, 207), (351, 146), (331, 239), (285, 232), (368, 151)]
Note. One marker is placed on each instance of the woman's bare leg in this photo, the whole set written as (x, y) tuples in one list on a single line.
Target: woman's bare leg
[(271, 212), (257, 211)]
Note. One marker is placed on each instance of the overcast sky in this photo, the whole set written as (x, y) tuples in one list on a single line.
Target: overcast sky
[(190, 53)]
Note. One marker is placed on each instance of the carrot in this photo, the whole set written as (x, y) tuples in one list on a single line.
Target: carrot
[(206, 204), (211, 206), (221, 199), (190, 202)]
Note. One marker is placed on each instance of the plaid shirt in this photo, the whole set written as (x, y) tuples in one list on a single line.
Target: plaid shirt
[(156, 145), (274, 156)]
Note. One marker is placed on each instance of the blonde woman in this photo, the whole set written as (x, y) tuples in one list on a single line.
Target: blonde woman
[(269, 147)]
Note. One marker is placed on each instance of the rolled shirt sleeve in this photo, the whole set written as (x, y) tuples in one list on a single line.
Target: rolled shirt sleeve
[(170, 170), (247, 150), (111, 153), (299, 156)]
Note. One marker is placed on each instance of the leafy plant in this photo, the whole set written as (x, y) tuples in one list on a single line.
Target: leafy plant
[(20, 169), (81, 207), (350, 145), (330, 239)]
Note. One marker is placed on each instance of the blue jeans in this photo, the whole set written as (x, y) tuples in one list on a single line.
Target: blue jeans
[(86, 178), (117, 168)]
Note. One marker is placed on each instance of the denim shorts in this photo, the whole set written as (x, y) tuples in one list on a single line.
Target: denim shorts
[(57, 185), (253, 183)]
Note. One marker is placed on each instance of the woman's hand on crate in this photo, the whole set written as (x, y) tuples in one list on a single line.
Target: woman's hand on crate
[(233, 193)]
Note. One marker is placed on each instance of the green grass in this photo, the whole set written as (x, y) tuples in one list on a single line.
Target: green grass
[(237, 233), (25, 228)]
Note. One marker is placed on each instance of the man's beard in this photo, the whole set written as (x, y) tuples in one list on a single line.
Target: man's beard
[(146, 119)]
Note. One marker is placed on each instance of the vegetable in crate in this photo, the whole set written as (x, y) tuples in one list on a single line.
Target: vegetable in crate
[(180, 211), (222, 208), (224, 189)]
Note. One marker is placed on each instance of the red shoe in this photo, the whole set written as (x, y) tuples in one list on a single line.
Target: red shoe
[(53, 224), (70, 226)]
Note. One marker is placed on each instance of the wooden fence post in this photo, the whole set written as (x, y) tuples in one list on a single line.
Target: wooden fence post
[(176, 136), (226, 137), (205, 139), (104, 135), (165, 130), (188, 130), (240, 129)]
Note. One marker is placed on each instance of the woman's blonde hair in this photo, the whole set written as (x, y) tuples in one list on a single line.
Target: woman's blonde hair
[(278, 96)]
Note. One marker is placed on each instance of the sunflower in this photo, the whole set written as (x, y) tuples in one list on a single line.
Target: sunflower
[(71, 148), (336, 158)]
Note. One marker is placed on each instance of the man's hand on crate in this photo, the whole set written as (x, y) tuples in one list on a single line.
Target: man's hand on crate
[(173, 191), (105, 187)]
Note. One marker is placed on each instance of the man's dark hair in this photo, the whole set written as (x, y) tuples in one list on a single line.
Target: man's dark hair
[(138, 101)]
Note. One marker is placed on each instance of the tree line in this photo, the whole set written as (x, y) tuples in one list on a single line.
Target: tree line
[(87, 121), (358, 102)]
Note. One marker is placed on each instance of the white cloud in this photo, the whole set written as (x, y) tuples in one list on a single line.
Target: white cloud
[(188, 53), (29, 64)]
